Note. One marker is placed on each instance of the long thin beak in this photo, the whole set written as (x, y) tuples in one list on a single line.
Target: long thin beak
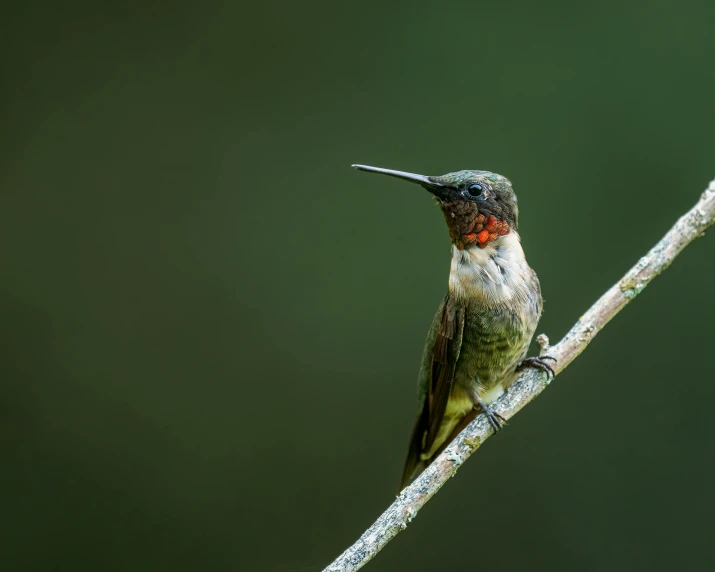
[(419, 179)]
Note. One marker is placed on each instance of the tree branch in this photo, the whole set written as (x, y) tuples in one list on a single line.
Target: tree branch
[(530, 384)]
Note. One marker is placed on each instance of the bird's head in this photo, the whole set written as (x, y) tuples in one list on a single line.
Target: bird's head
[(479, 206)]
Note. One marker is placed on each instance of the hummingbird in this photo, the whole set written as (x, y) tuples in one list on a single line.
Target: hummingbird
[(480, 335)]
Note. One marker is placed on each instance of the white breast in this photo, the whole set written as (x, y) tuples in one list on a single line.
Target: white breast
[(491, 275)]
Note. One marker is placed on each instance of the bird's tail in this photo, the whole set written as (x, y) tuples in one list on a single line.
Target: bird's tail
[(415, 464)]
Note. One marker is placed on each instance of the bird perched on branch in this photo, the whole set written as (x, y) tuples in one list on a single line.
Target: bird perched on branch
[(479, 337)]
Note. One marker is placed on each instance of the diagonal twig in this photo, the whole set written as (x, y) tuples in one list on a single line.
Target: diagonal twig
[(530, 384)]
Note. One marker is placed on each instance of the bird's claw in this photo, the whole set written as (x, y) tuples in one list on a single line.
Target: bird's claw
[(539, 363), (496, 420)]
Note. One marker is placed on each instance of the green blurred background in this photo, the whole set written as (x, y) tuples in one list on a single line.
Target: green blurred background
[(211, 325)]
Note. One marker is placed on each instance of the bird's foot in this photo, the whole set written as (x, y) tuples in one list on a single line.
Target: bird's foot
[(539, 363), (495, 420)]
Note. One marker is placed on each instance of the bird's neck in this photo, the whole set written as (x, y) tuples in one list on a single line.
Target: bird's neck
[(490, 276)]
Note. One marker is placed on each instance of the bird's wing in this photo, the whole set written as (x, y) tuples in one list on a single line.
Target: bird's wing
[(441, 353)]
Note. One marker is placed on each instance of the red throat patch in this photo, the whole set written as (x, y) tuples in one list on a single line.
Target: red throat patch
[(468, 227)]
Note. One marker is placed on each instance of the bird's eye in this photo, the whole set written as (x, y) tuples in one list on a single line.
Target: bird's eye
[(475, 189)]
